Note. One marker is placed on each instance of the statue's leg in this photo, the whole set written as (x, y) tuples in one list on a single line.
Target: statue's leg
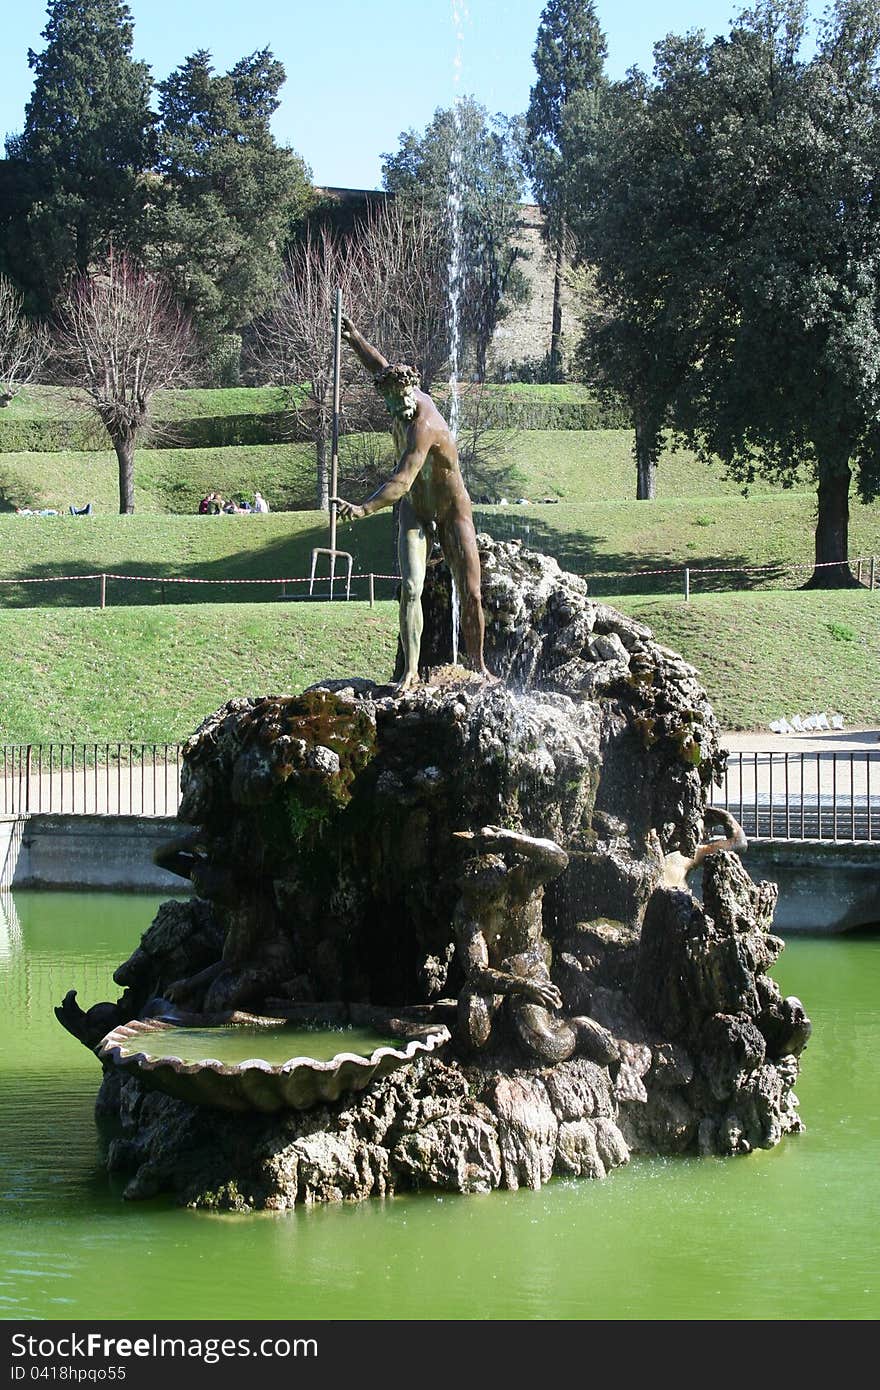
[(475, 1014), (412, 551), (459, 542)]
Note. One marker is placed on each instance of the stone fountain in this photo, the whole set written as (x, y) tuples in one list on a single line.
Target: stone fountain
[(497, 872)]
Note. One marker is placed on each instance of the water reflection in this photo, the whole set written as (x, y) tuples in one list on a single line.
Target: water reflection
[(10, 928)]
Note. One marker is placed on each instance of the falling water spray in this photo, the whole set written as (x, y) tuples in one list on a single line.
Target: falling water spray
[(455, 270)]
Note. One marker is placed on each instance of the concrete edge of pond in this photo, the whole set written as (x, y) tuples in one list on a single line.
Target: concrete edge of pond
[(86, 852), (823, 886)]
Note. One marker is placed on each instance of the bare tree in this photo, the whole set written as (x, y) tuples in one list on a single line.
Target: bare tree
[(402, 256), (293, 343), (122, 337), (22, 344)]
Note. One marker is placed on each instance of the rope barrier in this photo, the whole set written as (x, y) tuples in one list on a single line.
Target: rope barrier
[(694, 570), (184, 579), (733, 569)]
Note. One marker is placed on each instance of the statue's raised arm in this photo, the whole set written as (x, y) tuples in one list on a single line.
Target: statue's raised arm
[(371, 357)]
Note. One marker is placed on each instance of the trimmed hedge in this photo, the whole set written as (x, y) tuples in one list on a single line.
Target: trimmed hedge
[(549, 415), (48, 436), (225, 431), (84, 433)]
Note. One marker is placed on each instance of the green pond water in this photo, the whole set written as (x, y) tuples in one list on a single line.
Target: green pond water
[(243, 1043), (786, 1234)]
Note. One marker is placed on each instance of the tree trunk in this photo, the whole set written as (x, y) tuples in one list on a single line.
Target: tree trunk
[(556, 329), (124, 446), (323, 457), (646, 460), (832, 527)]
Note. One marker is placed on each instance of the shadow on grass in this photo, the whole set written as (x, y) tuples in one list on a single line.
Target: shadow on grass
[(53, 584), (373, 549)]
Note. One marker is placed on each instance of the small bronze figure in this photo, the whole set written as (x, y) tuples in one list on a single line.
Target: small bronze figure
[(499, 933), (677, 866)]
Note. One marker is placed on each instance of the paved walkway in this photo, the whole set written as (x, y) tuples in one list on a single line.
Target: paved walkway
[(833, 741), (141, 789)]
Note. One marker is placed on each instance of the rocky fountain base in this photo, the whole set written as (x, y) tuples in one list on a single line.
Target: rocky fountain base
[(508, 861)]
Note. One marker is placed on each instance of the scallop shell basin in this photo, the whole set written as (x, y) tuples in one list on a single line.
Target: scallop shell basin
[(255, 1085)]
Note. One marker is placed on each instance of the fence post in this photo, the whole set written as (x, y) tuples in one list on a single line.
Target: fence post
[(372, 592), (859, 570), (687, 585), (27, 780), (873, 566), (103, 591)]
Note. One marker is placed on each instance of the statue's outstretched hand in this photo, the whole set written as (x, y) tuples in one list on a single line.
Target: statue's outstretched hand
[(347, 511)]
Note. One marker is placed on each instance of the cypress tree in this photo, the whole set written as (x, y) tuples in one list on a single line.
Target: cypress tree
[(569, 60), (85, 144)]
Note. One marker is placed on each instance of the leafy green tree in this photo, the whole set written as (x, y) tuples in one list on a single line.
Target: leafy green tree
[(790, 305), (464, 158), (85, 144), (635, 221), (745, 247), (569, 60), (227, 193)]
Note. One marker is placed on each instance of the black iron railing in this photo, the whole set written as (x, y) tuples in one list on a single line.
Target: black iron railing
[(115, 779), (824, 795), (774, 795)]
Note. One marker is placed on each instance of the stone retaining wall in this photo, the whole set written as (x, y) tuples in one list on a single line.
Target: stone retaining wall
[(112, 852)]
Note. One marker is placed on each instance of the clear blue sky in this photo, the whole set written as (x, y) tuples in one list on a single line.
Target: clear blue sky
[(359, 73)]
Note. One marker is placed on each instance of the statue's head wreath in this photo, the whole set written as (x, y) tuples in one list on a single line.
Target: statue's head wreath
[(398, 376)]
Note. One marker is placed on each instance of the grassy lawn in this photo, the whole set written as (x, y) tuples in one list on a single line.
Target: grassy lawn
[(166, 480), (152, 674), (173, 480), (562, 392), (600, 541), (60, 402), (148, 668), (578, 467), (606, 539), (589, 466), (766, 654)]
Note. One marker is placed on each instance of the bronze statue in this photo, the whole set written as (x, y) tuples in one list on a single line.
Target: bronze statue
[(499, 933), (427, 483)]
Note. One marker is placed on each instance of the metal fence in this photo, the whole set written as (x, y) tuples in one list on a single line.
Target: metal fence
[(804, 796), (776, 796), (104, 779)]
